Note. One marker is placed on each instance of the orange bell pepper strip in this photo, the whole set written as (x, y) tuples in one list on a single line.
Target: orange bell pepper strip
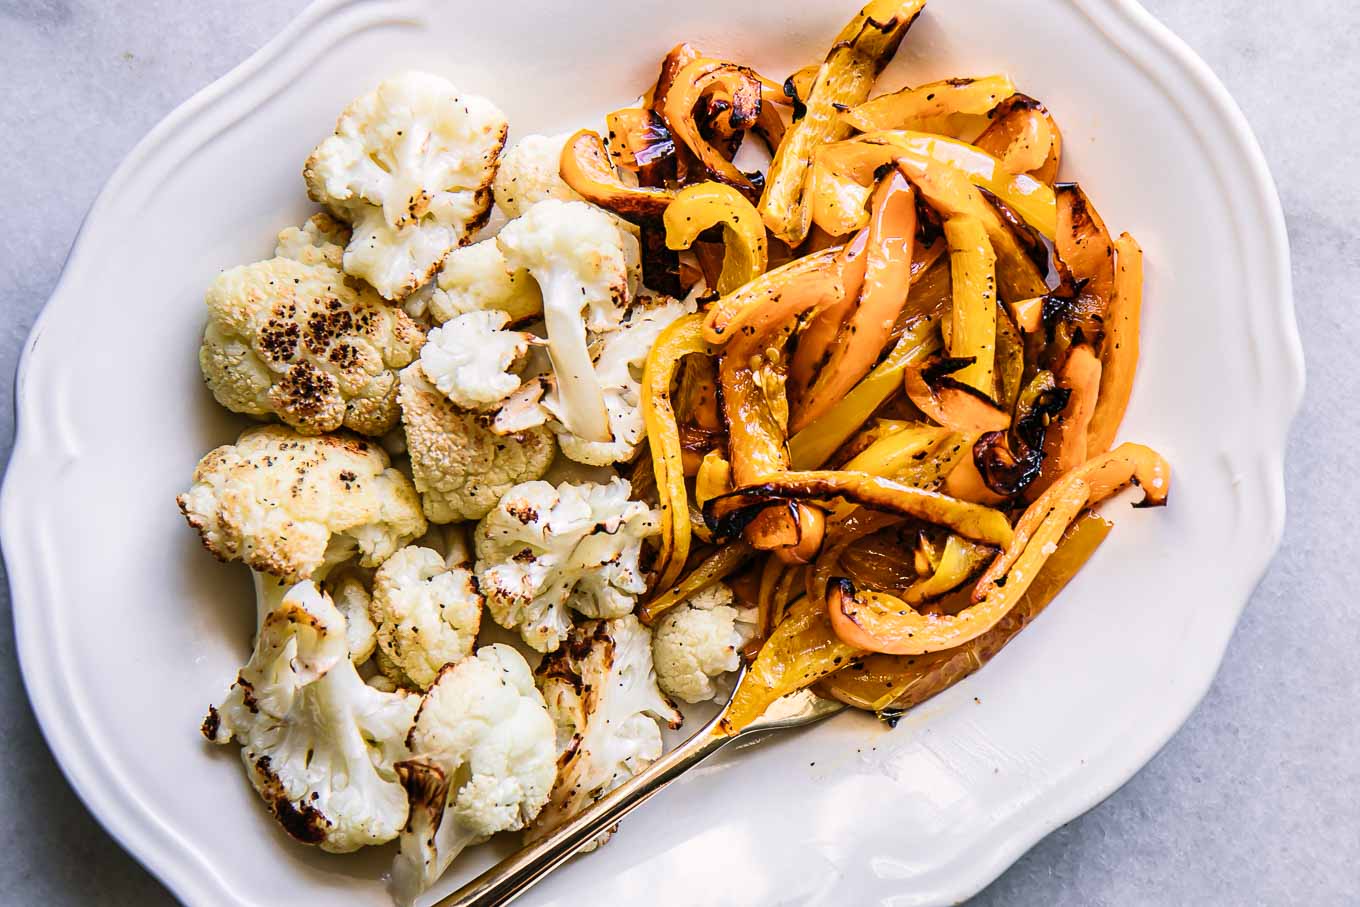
[(1119, 349), (585, 167), (1066, 439), (700, 77), (702, 205), (1024, 137), (883, 292), (880, 622), (1085, 247)]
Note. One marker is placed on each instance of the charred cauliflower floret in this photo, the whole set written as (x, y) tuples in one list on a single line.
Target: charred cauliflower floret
[(476, 278), (409, 168), (319, 745), (482, 762), (699, 641), (460, 466), (427, 614), (575, 252), (602, 694), (319, 241), (296, 341), (530, 172), (292, 505), (545, 551), (473, 359)]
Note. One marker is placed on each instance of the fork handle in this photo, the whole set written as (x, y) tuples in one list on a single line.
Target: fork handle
[(517, 873)]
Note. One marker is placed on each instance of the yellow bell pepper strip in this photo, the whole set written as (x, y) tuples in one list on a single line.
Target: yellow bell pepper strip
[(910, 107), (1119, 349), (683, 337), (679, 56), (1104, 475), (1065, 440), (837, 202), (1085, 247), (972, 327), (700, 77), (714, 478), (586, 168), (1010, 361), (702, 205), (883, 294), (775, 298), (815, 444), (1025, 138), (937, 393), (949, 192), (893, 454), (972, 520), (719, 565), (859, 158), (770, 575), (958, 562), (639, 142), (892, 684), (842, 533), (859, 53), (965, 482), (801, 650)]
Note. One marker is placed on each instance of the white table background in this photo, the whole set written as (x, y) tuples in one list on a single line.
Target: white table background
[(1255, 801)]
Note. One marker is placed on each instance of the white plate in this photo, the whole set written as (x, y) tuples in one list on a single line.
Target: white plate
[(127, 630)]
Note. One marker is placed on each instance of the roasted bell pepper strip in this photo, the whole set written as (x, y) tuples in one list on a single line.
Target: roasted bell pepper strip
[(776, 298), (881, 622), (949, 191), (861, 157), (837, 202), (1085, 247), (586, 168), (816, 339), (1029, 314), (638, 138), (1119, 349), (683, 337), (1104, 475), (815, 444), (811, 523), (1010, 360), (972, 520), (860, 52), (972, 329), (1024, 137), (910, 107), (801, 650), (892, 454), (960, 559), (1065, 440), (892, 684), (702, 205), (700, 77), (716, 567), (714, 478), (883, 294), (965, 483), (679, 56), (960, 407)]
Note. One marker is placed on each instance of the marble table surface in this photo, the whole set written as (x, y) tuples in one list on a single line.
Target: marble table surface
[(1253, 802)]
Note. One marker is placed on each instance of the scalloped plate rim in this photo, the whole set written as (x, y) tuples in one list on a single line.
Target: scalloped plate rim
[(134, 827)]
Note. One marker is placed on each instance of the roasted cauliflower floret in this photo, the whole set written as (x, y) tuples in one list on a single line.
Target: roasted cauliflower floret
[(298, 342), (602, 694), (319, 241), (476, 278), (461, 467), (483, 761), (575, 252), (409, 168), (473, 359), (531, 172), (319, 745), (352, 600), (426, 613), (699, 641), (292, 505), (545, 551)]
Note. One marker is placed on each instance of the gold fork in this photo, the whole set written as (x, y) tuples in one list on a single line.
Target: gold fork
[(514, 875)]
